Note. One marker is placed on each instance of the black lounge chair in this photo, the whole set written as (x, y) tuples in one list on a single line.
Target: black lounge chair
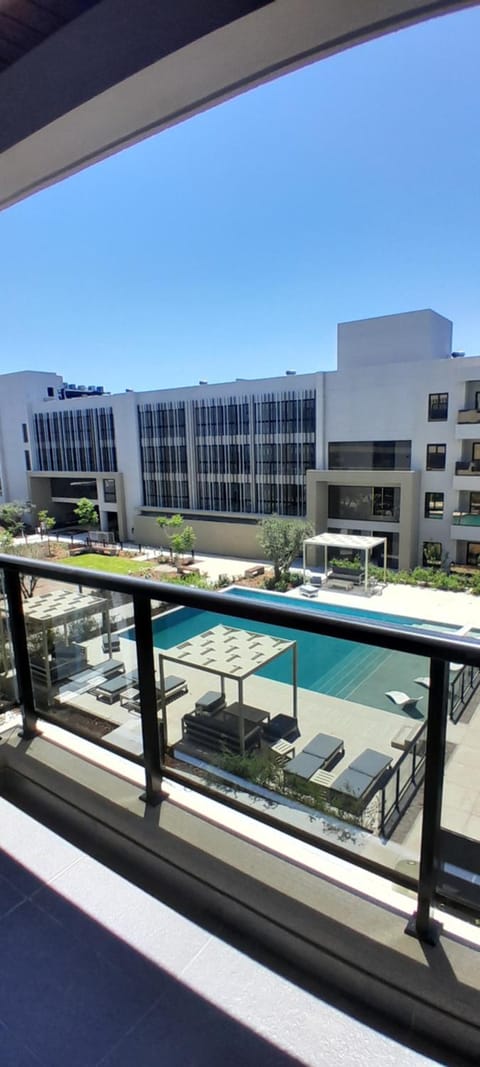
[(281, 727)]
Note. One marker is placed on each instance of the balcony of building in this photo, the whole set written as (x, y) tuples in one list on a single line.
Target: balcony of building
[(467, 469), (288, 792), (470, 414)]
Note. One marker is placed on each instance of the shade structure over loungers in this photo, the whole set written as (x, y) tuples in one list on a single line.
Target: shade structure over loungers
[(234, 653), (352, 542)]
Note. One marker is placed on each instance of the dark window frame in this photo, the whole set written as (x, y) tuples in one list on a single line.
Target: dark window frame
[(437, 407), (435, 450), (433, 514)]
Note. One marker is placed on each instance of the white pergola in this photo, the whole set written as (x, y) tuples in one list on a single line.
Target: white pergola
[(230, 653), (353, 542)]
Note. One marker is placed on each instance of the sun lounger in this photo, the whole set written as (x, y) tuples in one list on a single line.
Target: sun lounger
[(110, 689), (328, 749), (320, 754), (402, 700), (174, 686), (361, 777)]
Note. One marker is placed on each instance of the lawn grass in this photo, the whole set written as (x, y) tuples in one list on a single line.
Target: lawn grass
[(111, 564)]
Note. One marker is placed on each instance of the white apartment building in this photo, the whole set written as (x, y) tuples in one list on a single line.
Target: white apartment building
[(388, 443)]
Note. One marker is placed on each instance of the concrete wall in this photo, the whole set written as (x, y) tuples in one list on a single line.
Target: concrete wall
[(413, 336), (217, 537), (407, 481)]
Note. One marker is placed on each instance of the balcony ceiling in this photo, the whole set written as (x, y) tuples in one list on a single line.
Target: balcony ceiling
[(82, 79)]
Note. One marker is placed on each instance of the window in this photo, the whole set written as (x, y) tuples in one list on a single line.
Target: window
[(473, 554), (369, 455), (25, 433), (109, 491), (28, 465), (364, 502), (437, 407), (436, 457), (432, 553), (474, 508), (434, 505)]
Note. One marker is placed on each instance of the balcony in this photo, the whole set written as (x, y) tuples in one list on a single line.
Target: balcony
[(467, 415), (465, 474), (277, 774), (465, 518)]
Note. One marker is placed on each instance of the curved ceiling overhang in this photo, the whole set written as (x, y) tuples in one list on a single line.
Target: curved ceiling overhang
[(79, 89)]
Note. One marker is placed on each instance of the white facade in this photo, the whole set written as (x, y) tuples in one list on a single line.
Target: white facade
[(20, 394), (239, 450)]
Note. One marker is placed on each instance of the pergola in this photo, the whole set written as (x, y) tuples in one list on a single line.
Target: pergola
[(353, 542), (230, 653), (59, 609)]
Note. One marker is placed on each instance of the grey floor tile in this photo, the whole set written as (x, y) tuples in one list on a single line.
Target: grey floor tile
[(24, 839), (184, 1030), (9, 897), (142, 922), (77, 1004), (13, 1052)]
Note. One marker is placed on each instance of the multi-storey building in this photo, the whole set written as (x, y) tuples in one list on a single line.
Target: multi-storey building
[(388, 443)]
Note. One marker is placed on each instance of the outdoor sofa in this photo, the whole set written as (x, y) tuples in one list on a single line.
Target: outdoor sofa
[(220, 731)]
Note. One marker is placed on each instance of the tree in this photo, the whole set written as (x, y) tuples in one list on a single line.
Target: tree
[(46, 523), (11, 517), (173, 523), (282, 541), (183, 542), (86, 513)]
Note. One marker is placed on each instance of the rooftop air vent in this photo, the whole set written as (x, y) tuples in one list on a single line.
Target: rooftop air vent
[(457, 355), (290, 372)]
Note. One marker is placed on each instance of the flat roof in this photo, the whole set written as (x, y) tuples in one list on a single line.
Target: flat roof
[(331, 540), (228, 651)]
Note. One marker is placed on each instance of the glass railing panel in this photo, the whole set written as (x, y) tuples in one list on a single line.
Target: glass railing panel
[(81, 664), (8, 681), (460, 820), (297, 736)]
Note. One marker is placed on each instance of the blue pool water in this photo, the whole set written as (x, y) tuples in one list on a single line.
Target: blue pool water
[(325, 665)]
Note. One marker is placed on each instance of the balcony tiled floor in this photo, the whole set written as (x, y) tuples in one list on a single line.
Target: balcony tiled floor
[(94, 971)]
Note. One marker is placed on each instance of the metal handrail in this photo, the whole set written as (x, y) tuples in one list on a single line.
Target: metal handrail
[(439, 648)]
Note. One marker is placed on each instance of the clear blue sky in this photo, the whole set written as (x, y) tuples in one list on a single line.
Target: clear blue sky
[(231, 246)]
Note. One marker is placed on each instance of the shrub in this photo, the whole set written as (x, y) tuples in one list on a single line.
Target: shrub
[(223, 580)]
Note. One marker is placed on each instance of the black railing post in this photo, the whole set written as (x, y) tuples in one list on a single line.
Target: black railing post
[(13, 593), (148, 698), (422, 924)]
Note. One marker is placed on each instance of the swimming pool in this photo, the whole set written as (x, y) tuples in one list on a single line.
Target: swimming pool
[(325, 664)]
